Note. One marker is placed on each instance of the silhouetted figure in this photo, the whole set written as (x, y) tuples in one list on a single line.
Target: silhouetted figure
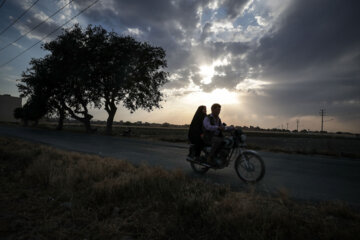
[(196, 131), (213, 130)]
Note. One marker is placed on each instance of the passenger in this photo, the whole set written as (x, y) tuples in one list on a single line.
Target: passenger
[(196, 132)]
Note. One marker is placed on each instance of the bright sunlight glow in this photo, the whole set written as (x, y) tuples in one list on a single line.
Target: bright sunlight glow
[(222, 96), (207, 72), (251, 84)]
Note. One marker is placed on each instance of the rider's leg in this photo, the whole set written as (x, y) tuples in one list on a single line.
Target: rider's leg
[(191, 150), (192, 147), (198, 147), (215, 144)]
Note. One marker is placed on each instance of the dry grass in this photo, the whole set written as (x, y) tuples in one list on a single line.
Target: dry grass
[(52, 194)]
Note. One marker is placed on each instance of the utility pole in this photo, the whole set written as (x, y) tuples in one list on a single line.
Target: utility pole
[(297, 125), (287, 126), (322, 114)]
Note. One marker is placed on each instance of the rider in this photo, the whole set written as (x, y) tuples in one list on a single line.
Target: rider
[(196, 131), (213, 131)]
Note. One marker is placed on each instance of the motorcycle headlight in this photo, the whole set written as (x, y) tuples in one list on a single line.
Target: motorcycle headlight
[(243, 137)]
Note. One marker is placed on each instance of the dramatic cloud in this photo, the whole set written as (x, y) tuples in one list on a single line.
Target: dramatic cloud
[(178, 26), (283, 59), (313, 58)]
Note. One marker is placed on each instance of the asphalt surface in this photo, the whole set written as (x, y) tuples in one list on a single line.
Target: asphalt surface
[(303, 177)]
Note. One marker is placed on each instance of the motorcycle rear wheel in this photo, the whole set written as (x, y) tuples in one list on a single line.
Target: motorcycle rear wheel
[(252, 172)]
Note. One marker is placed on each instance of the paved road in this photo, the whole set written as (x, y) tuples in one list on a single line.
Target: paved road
[(304, 177)]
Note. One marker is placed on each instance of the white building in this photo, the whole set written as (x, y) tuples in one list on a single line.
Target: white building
[(7, 107)]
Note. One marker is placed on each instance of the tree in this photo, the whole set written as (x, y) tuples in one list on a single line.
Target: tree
[(71, 69), (19, 113), (126, 71), (165, 124), (35, 90), (33, 110), (41, 88), (94, 68)]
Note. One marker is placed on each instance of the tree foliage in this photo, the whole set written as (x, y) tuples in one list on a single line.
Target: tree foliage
[(34, 86), (126, 71), (95, 68)]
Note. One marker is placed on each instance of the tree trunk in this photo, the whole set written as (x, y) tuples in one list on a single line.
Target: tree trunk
[(36, 123), (85, 120), (111, 110), (87, 125), (109, 122), (61, 119)]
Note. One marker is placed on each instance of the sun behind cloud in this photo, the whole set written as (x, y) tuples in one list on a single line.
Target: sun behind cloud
[(222, 96), (206, 72)]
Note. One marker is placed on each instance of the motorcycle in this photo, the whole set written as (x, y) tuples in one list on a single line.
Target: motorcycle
[(248, 165)]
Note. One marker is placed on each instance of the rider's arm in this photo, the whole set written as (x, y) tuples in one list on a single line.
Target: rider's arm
[(208, 126)]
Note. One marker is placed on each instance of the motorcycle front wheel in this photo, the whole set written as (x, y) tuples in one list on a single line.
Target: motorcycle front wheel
[(250, 167)]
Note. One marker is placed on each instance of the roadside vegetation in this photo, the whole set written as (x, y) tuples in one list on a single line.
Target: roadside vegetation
[(52, 194)]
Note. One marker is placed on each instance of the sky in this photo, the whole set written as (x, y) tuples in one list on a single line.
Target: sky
[(268, 63)]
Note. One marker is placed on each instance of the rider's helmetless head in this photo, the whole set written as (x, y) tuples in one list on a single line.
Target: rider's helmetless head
[(215, 109)]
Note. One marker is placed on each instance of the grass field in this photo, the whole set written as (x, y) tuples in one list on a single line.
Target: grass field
[(51, 194)]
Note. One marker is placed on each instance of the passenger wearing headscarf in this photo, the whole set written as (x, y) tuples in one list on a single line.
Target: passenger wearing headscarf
[(196, 131)]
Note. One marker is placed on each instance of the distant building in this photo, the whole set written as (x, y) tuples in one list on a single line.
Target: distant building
[(7, 107)]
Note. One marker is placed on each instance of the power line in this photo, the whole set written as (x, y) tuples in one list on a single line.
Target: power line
[(36, 26), (17, 17), (2, 3), (12, 59)]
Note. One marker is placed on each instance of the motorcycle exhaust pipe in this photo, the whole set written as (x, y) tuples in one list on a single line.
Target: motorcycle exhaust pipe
[(197, 162)]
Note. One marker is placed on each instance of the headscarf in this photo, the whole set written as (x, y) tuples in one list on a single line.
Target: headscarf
[(197, 121)]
